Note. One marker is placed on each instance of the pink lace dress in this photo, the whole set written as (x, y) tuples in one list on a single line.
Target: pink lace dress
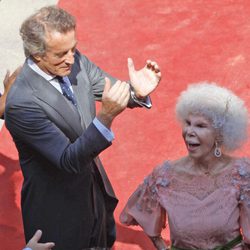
[(203, 211)]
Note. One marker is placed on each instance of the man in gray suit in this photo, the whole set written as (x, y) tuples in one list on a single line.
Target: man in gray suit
[(50, 113)]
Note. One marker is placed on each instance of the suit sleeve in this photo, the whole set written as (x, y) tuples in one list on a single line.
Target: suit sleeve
[(33, 131)]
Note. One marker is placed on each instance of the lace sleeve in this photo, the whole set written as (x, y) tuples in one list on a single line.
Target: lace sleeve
[(244, 172), (143, 207)]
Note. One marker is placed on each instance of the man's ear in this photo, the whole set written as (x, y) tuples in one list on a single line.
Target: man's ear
[(37, 58)]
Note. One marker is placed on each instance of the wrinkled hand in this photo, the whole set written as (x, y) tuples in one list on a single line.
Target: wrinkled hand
[(9, 79), (114, 101), (34, 245), (144, 81)]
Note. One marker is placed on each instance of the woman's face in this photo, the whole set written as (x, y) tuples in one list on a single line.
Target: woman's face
[(199, 136)]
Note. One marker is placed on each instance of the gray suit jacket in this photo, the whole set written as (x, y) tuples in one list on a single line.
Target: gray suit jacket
[(66, 191)]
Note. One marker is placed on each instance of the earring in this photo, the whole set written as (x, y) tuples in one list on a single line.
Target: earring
[(217, 150)]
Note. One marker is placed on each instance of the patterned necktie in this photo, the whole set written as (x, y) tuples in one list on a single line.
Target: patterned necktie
[(67, 92)]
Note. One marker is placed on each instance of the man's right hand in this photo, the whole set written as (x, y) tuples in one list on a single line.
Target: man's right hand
[(114, 100)]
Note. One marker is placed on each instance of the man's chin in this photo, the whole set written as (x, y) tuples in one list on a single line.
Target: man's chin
[(65, 72)]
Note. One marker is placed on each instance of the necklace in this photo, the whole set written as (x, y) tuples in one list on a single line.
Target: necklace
[(212, 168)]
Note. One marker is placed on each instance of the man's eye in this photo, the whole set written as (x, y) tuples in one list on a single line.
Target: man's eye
[(60, 55)]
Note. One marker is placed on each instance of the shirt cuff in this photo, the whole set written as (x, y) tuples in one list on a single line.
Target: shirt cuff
[(145, 102), (108, 134)]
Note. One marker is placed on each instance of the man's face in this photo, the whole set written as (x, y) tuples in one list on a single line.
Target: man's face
[(59, 56)]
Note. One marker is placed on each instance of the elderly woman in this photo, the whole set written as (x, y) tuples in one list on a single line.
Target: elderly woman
[(206, 194)]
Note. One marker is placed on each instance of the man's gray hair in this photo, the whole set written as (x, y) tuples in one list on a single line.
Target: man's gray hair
[(34, 28), (227, 111)]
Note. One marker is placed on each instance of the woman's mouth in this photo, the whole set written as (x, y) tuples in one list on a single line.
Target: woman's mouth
[(192, 146)]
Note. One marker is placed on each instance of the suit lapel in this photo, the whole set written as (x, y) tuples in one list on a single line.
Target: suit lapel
[(83, 94), (48, 94)]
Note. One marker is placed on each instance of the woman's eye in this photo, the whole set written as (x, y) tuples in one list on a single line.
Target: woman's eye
[(201, 125)]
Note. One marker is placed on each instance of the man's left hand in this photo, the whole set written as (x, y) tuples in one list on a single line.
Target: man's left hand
[(144, 81)]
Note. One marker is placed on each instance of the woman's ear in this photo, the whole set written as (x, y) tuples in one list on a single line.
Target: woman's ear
[(218, 144), (218, 138)]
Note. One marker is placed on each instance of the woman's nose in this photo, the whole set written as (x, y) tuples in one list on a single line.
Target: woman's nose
[(190, 130)]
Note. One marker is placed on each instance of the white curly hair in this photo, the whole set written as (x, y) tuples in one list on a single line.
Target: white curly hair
[(227, 111)]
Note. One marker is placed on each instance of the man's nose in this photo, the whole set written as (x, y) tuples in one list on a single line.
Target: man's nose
[(70, 58)]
